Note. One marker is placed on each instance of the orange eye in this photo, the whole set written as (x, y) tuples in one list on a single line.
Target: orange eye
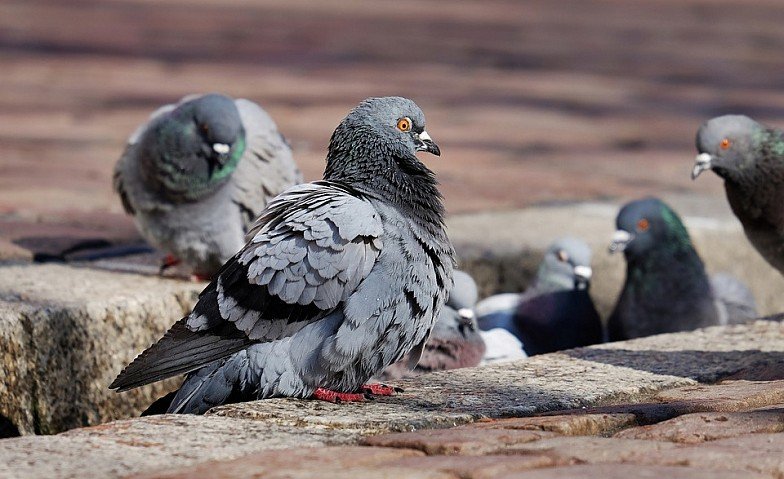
[(563, 256), (725, 143), (643, 225), (404, 124)]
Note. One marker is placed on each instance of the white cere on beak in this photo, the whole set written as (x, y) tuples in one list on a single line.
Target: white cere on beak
[(221, 148), (466, 313), (701, 163), (619, 240), (424, 136), (584, 272)]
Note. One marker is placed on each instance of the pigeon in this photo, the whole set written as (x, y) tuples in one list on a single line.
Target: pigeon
[(198, 173), (666, 288), (749, 157), (340, 278), (557, 311), (455, 341)]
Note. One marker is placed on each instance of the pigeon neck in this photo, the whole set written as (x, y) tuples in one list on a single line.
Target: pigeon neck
[(404, 182), (761, 173), (665, 270)]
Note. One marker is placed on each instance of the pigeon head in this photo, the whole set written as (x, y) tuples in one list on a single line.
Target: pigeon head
[(566, 266), (727, 145), (194, 147), (377, 142), (646, 226), (219, 125)]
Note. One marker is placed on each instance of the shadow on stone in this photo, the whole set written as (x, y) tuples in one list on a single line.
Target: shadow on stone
[(714, 366), (7, 428)]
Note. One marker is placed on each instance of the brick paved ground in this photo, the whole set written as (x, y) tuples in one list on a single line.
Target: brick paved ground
[(532, 101)]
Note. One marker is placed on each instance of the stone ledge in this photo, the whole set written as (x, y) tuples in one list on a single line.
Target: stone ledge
[(588, 377), (65, 333)]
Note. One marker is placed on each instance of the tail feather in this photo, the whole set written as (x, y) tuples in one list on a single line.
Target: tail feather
[(180, 351)]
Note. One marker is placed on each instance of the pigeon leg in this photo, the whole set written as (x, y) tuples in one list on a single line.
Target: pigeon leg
[(380, 389), (168, 261), (328, 395)]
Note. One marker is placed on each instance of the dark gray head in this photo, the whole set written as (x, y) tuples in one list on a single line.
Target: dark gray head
[(195, 146), (566, 266), (379, 138), (647, 225), (726, 144)]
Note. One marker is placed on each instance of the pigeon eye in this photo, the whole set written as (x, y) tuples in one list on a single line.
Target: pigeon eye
[(204, 128), (643, 225), (404, 124), (563, 256), (725, 143)]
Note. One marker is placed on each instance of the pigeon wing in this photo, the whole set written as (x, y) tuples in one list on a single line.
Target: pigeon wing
[(308, 252), (266, 168)]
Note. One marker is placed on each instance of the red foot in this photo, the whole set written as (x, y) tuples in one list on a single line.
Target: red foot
[(380, 389), (168, 261), (334, 396)]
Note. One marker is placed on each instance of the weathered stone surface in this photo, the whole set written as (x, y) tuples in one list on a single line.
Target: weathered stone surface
[(458, 441), (476, 467), (626, 471), (569, 450), (66, 332), (310, 462), (569, 424), (701, 427), (763, 453), (120, 448), (728, 396)]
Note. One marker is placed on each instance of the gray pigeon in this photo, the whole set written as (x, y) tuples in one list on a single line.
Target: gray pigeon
[(666, 288), (557, 311), (749, 157), (455, 341), (198, 173), (341, 278)]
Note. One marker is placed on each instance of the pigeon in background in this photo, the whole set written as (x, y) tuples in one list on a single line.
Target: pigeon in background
[(557, 311), (455, 341), (198, 173), (340, 279), (749, 157), (666, 288)]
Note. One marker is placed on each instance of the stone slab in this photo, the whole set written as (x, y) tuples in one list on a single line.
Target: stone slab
[(702, 427), (567, 424), (626, 471), (66, 332)]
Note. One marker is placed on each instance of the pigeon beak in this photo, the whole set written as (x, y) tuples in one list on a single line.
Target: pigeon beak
[(466, 322), (425, 143), (620, 240), (222, 149), (701, 163), (583, 274)]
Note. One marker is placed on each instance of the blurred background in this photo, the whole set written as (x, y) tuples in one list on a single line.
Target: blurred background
[(532, 102)]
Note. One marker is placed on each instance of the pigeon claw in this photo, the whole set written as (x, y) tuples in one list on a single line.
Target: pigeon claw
[(329, 395), (377, 389)]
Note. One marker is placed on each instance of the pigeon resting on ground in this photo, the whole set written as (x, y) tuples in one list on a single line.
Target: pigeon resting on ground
[(557, 311), (341, 278), (455, 341), (198, 173), (750, 158), (666, 288)]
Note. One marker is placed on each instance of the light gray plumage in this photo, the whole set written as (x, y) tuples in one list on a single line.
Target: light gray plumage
[(455, 341), (341, 277), (198, 173)]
